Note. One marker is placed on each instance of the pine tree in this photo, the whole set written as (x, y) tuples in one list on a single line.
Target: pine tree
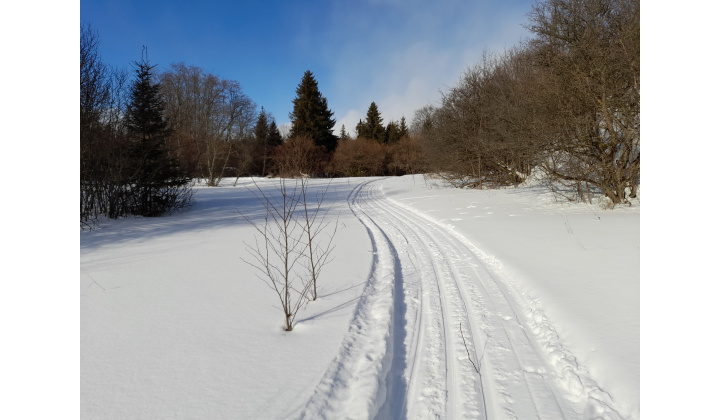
[(155, 180), (343, 134), (311, 116), (372, 128)]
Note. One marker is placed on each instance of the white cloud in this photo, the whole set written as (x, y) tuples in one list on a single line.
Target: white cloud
[(403, 56), (284, 129), (350, 120)]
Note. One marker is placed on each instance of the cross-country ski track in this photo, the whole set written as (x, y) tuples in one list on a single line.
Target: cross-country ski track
[(434, 309)]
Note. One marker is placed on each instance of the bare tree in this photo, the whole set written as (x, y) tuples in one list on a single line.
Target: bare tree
[(210, 115), (242, 158), (422, 120), (566, 102), (294, 232), (94, 84), (280, 248), (456, 141), (484, 134), (590, 50), (104, 147)]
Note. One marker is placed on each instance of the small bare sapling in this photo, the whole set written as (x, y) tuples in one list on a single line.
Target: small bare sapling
[(279, 248), (314, 223), (289, 236)]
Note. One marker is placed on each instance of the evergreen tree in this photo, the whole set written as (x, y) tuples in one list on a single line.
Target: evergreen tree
[(311, 116), (262, 133), (360, 129), (262, 130), (274, 137), (404, 132), (372, 128), (392, 133), (145, 120), (343, 134), (155, 180)]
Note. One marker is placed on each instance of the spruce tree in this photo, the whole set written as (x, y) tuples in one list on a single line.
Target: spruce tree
[(392, 133), (262, 130), (274, 137), (343, 134), (154, 178), (404, 132), (360, 130), (145, 120), (262, 133), (372, 128), (311, 116)]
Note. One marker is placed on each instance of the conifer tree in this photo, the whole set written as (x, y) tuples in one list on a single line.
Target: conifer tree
[(404, 132), (392, 133), (274, 137), (267, 138), (360, 130), (262, 133), (311, 116), (154, 177), (262, 130), (372, 128), (343, 134), (145, 120)]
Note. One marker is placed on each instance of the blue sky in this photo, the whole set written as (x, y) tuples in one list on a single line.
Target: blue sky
[(400, 54)]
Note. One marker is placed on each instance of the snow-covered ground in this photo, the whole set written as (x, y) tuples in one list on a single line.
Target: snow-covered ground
[(543, 297)]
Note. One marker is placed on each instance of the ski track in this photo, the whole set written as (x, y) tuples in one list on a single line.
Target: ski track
[(431, 298)]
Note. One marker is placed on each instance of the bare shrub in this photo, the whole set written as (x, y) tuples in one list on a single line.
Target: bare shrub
[(298, 156), (290, 236), (360, 157), (407, 157), (280, 248), (313, 221)]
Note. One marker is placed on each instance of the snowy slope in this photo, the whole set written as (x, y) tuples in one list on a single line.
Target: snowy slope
[(175, 325)]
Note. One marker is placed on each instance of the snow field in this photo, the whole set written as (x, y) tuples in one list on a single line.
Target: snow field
[(175, 325), (574, 265)]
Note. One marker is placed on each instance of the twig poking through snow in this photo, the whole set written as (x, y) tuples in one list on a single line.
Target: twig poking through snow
[(93, 281), (468, 351)]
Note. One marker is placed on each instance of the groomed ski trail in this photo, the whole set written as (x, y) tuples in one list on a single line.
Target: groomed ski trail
[(434, 308)]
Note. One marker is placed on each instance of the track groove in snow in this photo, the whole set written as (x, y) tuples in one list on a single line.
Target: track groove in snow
[(404, 355)]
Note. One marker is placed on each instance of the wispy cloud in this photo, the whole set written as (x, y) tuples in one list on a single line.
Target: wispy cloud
[(402, 54)]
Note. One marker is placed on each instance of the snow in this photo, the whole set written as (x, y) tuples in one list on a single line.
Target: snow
[(175, 325), (580, 264)]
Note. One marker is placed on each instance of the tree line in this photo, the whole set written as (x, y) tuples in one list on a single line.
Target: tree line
[(566, 104), (126, 166), (203, 128), (375, 150)]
